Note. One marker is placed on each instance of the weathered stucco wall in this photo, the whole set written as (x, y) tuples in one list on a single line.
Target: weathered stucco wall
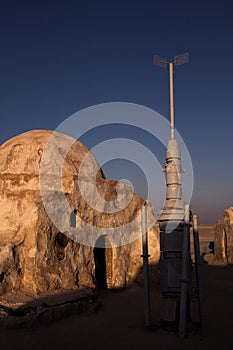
[(223, 241), (35, 255)]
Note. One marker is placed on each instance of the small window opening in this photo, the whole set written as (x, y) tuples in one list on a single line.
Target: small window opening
[(73, 218)]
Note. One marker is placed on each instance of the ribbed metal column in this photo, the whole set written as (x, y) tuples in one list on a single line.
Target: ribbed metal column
[(198, 269)]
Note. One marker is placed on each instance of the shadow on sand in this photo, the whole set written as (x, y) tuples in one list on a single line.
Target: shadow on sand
[(119, 321)]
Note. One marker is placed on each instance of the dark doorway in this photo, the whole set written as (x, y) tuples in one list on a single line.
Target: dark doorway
[(100, 267), (224, 245), (100, 263)]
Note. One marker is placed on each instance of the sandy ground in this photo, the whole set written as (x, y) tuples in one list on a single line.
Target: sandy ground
[(119, 322)]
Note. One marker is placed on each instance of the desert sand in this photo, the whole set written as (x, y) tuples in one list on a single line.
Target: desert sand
[(119, 321)]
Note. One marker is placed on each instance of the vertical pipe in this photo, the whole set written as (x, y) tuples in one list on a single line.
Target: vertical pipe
[(171, 85), (198, 268), (184, 275), (145, 257)]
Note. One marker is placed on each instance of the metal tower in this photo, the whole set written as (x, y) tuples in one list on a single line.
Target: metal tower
[(175, 221)]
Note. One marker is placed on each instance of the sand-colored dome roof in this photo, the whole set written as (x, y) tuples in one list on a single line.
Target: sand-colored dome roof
[(24, 156), (22, 153)]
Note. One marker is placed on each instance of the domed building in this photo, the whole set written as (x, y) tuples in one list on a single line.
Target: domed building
[(223, 240), (63, 225)]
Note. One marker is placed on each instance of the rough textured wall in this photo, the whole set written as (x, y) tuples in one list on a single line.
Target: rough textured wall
[(223, 241), (38, 257)]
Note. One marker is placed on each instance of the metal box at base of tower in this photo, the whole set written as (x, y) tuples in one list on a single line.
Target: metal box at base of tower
[(171, 266)]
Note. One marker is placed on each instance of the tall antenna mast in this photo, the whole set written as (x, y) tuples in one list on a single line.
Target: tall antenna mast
[(172, 112), (173, 209), (163, 62)]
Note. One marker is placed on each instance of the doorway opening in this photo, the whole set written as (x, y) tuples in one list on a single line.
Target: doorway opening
[(103, 263), (224, 245)]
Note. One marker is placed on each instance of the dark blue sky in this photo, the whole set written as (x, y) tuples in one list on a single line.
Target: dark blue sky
[(58, 57)]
